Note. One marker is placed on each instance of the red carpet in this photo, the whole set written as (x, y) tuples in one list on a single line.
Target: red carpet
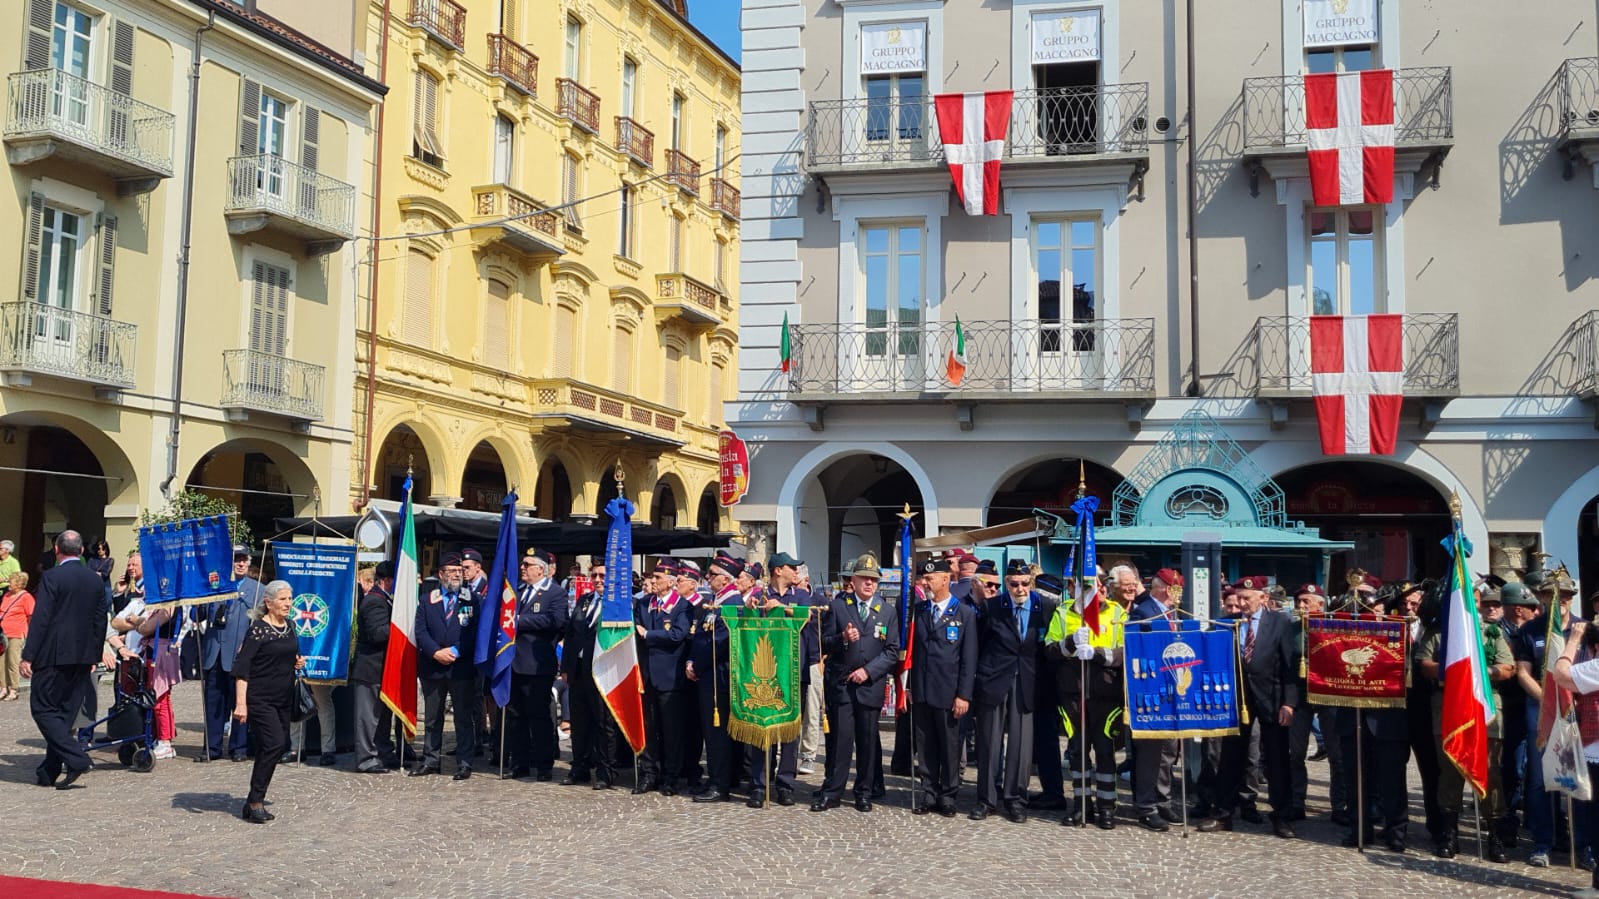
[(27, 888)]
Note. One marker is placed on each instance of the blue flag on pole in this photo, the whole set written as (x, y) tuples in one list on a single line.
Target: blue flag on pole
[(496, 625), (906, 578)]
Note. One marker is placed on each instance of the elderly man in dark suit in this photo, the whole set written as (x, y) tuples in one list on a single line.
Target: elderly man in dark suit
[(1010, 629), (1271, 690), (64, 641), (541, 616), (372, 717), (446, 627), (860, 636), (943, 670)]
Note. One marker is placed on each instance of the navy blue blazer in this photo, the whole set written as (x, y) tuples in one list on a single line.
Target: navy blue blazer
[(69, 618), (707, 638), (665, 644), (220, 644), (541, 617), (436, 631), (1008, 650), (943, 654), (877, 650)]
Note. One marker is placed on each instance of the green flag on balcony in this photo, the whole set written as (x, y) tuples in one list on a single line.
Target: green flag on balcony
[(788, 353), (955, 369)]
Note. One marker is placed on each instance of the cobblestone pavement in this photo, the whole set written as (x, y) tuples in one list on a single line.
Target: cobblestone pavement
[(343, 834)]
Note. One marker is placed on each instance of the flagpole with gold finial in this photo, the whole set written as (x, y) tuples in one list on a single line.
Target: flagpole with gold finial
[(1083, 780), (907, 554)]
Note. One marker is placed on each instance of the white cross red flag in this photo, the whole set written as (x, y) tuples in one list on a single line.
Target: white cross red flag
[(972, 128), (1357, 365), (1349, 126)]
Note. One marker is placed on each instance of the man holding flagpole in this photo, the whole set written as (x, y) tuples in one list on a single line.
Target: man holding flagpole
[(593, 730), (399, 663), (541, 613)]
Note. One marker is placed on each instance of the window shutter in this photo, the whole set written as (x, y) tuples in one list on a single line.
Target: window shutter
[(418, 107), (670, 388), (416, 319), (310, 133), (122, 59), (510, 20), (621, 359), (39, 25), (258, 288), (430, 120), (31, 246), (674, 247), (497, 326), (278, 312), (107, 226), (569, 192), (565, 337), (249, 118)]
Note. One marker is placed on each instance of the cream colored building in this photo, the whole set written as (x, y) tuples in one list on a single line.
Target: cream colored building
[(555, 274), (93, 346)]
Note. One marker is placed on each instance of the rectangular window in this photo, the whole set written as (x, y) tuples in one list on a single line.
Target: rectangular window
[(1346, 274), (272, 131), (416, 319), (565, 339), (678, 104), (504, 149), (425, 143), (629, 85), (621, 359), (721, 150), (497, 326), (895, 107), (893, 270), (1340, 59), (674, 244), (574, 47), (1066, 252), (71, 45), (671, 387), (719, 264), (624, 236), (569, 192), (60, 243)]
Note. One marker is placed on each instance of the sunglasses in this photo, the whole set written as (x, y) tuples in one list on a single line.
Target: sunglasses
[(1018, 583)]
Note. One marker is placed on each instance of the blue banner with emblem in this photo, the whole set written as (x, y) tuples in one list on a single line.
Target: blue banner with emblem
[(187, 562), (323, 578), (1182, 682)]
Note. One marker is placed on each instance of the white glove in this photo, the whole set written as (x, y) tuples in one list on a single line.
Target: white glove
[(1083, 636), (1085, 649), (1109, 653)]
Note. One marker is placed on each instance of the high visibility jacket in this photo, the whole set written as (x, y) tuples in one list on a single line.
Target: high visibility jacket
[(1068, 621)]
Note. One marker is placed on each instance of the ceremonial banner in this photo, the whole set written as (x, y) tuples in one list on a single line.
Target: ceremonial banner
[(323, 578), (187, 562), (496, 623), (1356, 662), (616, 671), (764, 675), (398, 689), (890, 47), (734, 480), (1182, 683)]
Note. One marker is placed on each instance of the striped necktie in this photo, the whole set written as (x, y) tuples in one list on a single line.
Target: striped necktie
[(1249, 640)]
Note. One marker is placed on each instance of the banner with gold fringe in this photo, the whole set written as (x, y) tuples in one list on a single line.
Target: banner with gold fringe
[(1356, 661), (764, 674)]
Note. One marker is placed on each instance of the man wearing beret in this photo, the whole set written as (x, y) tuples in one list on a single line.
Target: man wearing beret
[(943, 653), (1153, 759), (707, 668), (593, 729), (446, 627), (1311, 599), (784, 586), (1271, 690), (1010, 629), (860, 636), (663, 621), (541, 618)]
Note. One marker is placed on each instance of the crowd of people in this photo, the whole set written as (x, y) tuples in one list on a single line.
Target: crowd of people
[(1008, 681)]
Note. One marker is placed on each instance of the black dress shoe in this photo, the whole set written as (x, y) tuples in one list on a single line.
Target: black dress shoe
[(863, 804), (422, 771), (329, 760), (919, 809), (1105, 819), (668, 791), (821, 804), (69, 778), (1321, 753), (755, 801), (784, 798), (1251, 814), (602, 784), (946, 808), (256, 815), (462, 772), (1014, 813), (644, 786), (1396, 844), (1047, 803), (45, 778), (544, 775), (572, 780), (239, 757), (1282, 828), (1167, 815), (980, 813), (1155, 823), (1222, 823), (711, 795)]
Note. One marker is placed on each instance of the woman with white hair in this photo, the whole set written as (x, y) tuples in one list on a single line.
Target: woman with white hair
[(264, 680)]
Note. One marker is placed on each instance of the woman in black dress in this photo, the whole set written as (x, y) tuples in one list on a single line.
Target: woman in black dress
[(264, 672)]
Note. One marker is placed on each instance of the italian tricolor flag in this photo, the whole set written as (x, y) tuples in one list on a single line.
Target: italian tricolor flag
[(786, 349), (616, 674), (399, 663), (955, 368), (1468, 703)]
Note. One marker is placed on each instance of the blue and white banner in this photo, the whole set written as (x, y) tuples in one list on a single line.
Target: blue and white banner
[(323, 578), (187, 562), (1181, 683)]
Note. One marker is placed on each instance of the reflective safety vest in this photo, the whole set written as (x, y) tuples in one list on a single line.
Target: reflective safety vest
[(1068, 620)]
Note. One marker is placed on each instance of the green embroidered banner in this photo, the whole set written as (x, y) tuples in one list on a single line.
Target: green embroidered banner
[(764, 674)]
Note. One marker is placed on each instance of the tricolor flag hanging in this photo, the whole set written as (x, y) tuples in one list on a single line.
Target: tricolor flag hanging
[(1094, 602), (1557, 700), (972, 128), (399, 662), (1357, 365), (955, 367), (1349, 128), (785, 348), (496, 625), (615, 654), (1468, 702)]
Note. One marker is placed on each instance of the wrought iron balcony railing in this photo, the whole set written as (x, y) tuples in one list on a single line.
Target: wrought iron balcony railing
[(514, 63), (529, 229), (39, 339), (443, 19), (262, 382), (724, 197), (1274, 109), (636, 141), (133, 139), (577, 103), (1573, 367), (683, 171), (1579, 95), (1100, 356), (317, 205), (1432, 354), (1044, 122)]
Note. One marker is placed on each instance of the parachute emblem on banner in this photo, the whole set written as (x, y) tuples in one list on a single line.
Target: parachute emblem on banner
[(1179, 657)]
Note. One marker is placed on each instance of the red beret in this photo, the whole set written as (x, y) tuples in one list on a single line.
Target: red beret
[(1252, 582), (1171, 577), (1310, 589)]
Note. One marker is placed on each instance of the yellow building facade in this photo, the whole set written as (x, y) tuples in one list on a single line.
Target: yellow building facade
[(107, 226), (554, 277)]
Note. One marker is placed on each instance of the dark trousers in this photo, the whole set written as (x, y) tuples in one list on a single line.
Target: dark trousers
[(1096, 778), (465, 697), (1152, 774), (1424, 749), (718, 745), (782, 758), (219, 696), (55, 697), (899, 762), (269, 734), (1382, 767), (937, 753), (665, 721), (531, 728), (854, 730), (1298, 751), (1046, 750), (372, 723), (1234, 766), (1004, 734), (593, 729), (1340, 770)]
